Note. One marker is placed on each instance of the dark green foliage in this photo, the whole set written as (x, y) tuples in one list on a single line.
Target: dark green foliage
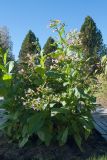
[(99, 42), (50, 46), (104, 50), (91, 38), (29, 46)]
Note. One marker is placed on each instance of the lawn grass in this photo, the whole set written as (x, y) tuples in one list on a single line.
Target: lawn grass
[(98, 158)]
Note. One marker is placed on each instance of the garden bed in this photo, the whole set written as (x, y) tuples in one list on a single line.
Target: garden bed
[(95, 145)]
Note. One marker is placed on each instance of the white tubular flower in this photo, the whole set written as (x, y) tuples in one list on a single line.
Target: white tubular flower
[(21, 71)]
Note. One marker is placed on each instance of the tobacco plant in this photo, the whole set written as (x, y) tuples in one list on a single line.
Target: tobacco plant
[(51, 102), (5, 73)]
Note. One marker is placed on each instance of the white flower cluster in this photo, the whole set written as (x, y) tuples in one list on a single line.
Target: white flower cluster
[(73, 38), (30, 101)]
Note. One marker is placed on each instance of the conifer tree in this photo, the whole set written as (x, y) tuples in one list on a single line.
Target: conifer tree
[(29, 46), (50, 46), (91, 38)]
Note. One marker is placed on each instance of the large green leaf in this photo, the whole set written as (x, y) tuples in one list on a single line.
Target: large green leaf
[(64, 136), (35, 122), (25, 130), (78, 140), (7, 77), (23, 142), (45, 134), (40, 70), (55, 111), (3, 68)]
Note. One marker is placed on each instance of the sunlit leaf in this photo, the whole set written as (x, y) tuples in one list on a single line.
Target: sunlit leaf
[(5, 57), (7, 77)]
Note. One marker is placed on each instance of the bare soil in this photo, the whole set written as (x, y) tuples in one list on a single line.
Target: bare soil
[(95, 145)]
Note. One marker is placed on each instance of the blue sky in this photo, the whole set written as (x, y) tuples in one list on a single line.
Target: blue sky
[(21, 15)]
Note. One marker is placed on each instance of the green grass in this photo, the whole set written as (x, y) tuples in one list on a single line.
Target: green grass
[(98, 158)]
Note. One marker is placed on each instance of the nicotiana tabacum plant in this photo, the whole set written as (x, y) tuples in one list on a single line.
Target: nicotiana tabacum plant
[(5, 73), (51, 102)]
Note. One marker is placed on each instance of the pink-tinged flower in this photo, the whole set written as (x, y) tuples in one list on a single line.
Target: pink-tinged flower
[(69, 41)]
